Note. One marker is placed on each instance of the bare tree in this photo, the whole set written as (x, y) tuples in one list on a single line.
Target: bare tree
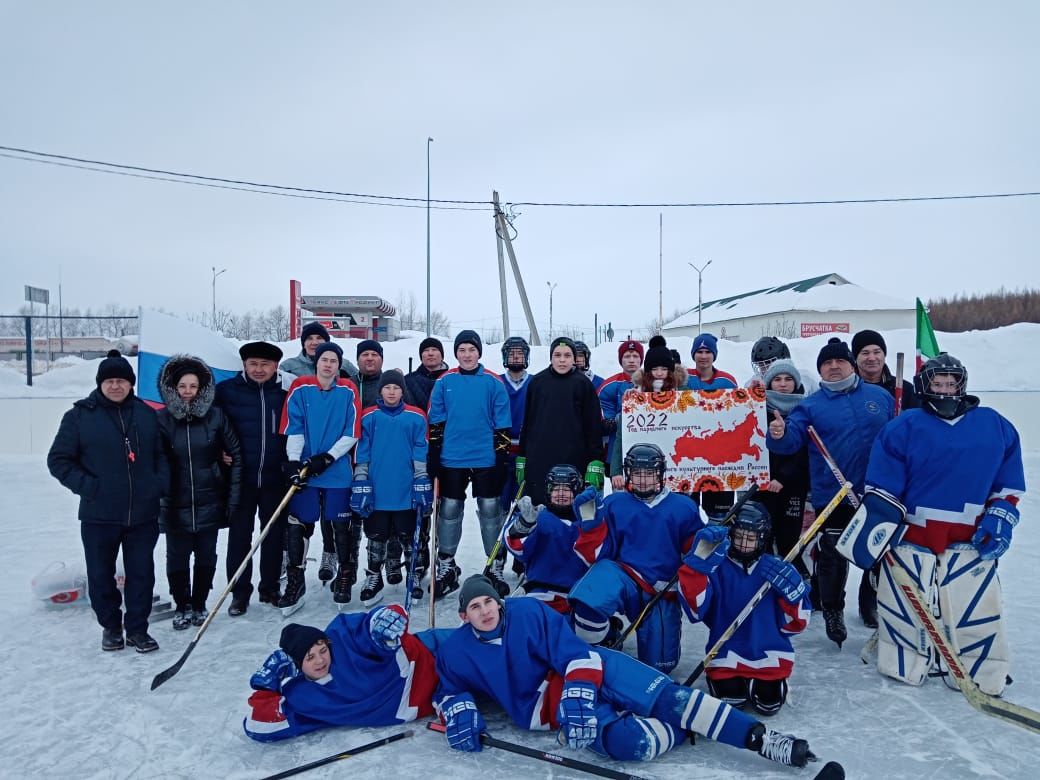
[(412, 317), (654, 326)]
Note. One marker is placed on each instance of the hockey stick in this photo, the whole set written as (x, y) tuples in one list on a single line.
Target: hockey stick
[(984, 702), (433, 549), (340, 756), (497, 547), (832, 465), (409, 581), (541, 755), (810, 532), (166, 674), (617, 643), (900, 358)]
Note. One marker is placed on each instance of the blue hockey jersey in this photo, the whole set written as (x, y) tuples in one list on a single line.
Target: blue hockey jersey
[(550, 561), (524, 670), (517, 393), (472, 407), (646, 539), (720, 380), (761, 648), (946, 472), (323, 418), (391, 439)]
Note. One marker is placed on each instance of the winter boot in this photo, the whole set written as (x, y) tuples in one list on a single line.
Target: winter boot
[(142, 642), (327, 570), (497, 575), (182, 619), (781, 748), (112, 640), (834, 621), (200, 589), (394, 552), (372, 589), (447, 576)]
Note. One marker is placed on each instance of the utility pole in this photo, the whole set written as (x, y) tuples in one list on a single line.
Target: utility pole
[(660, 268), (428, 142), (502, 226), (502, 279), (699, 272), (216, 273), (552, 286)]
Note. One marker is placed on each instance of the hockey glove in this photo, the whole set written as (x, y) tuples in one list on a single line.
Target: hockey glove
[(362, 497), (709, 548), (595, 473), (577, 714), (993, 536), (463, 724), (422, 494), (316, 464), (609, 426), (277, 670), (521, 469), (526, 516), (292, 470), (585, 503), (387, 626), (782, 576)]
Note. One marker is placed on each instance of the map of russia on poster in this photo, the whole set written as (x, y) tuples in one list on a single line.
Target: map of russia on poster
[(711, 439)]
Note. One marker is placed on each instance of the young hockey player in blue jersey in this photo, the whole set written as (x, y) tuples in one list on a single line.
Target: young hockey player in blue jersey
[(522, 655), (719, 576), (635, 545), (469, 443), (543, 537), (516, 357), (630, 356), (364, 669), (583, 363), (390, 480), (943, 486), (321, 421)]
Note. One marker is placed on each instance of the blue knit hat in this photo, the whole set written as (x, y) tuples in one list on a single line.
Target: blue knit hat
[(705, 341)]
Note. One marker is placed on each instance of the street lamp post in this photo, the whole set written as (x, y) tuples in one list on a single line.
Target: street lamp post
[(216, 273), (428, 142), (552, 286), (699, 272)]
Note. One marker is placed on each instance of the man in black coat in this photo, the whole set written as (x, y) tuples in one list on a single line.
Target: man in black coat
[(419, 383), (108, 452), (253, 402)]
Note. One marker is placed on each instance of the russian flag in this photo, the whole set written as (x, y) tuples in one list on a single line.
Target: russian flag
[(163, 335)]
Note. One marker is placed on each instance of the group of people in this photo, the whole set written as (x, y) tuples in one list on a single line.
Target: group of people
[(364, 447)]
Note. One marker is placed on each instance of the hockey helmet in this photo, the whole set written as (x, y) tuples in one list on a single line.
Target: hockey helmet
[(767, 350), (751, 533), (947, 405), (582, 356), (515, 343), (562, 475), (644, 470)]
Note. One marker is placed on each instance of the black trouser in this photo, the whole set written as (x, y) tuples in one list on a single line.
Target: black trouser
[(786, 510), (186, 589), (101, 545), (715, 503), (264, 500), (487, 481), (832, 568)]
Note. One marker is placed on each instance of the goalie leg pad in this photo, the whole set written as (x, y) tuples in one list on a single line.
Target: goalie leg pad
[(970, 605), (872, 529), (904, 651)]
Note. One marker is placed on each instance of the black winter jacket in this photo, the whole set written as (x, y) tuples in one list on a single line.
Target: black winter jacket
[(255, 411), (110, 455), (418, 385), (195, 437)]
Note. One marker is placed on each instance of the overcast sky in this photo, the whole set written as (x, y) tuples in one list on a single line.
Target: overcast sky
[(544, 101)]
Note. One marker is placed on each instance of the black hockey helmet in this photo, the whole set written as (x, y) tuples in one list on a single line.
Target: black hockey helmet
[(750, 533), (581, 350), (511, 343), (766, 350), (640, 460), (946, 406), (562, 475)]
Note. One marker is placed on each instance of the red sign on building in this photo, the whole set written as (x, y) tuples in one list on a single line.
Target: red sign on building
[(816, 328)]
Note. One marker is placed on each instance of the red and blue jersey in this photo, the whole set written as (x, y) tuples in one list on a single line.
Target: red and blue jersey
[(392, 439), (472, 406), (550, 561), (323, 418), (719, 380), (610, 393)]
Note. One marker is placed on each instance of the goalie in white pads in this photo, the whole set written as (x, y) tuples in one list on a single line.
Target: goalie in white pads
[(943, 486)]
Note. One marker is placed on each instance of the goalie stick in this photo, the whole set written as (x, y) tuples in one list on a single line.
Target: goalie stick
[(984, 702)]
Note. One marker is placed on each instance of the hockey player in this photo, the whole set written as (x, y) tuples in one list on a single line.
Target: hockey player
[(390, 480), (704, 375), (522, 655), (943, 486), (723, 571), (469, 441), (847, 413), (364, 669), (635, 544), (630, 356), (583, 363), (764, 353), (322, 421), (543, 537), (516, 357)]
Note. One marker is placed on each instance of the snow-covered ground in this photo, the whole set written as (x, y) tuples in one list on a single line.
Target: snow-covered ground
[(74, 711)]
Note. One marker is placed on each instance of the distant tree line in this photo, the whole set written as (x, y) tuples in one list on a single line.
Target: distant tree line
[(984, 311)]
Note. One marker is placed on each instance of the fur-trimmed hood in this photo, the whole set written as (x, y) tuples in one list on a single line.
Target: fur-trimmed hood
[(172, 370), (679, 377)]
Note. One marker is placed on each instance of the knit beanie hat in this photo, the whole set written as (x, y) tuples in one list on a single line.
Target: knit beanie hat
[(369, 344), (658, 356), (428, 342), (783, 366), (705, 341), (115, 366), (297, 640), (328, 346), (391, 377), (866, 338), (835, 349), (629, 346), (313, 329), (476, 585), (565, 342), (469, 337)]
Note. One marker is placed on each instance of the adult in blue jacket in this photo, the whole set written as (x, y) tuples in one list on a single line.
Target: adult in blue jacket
[(253, 402), (847, 413), (109, 453)]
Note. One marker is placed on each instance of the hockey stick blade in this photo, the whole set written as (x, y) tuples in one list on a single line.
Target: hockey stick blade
[(340, 756), (541, 755), (832, 770), (984, 702)]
